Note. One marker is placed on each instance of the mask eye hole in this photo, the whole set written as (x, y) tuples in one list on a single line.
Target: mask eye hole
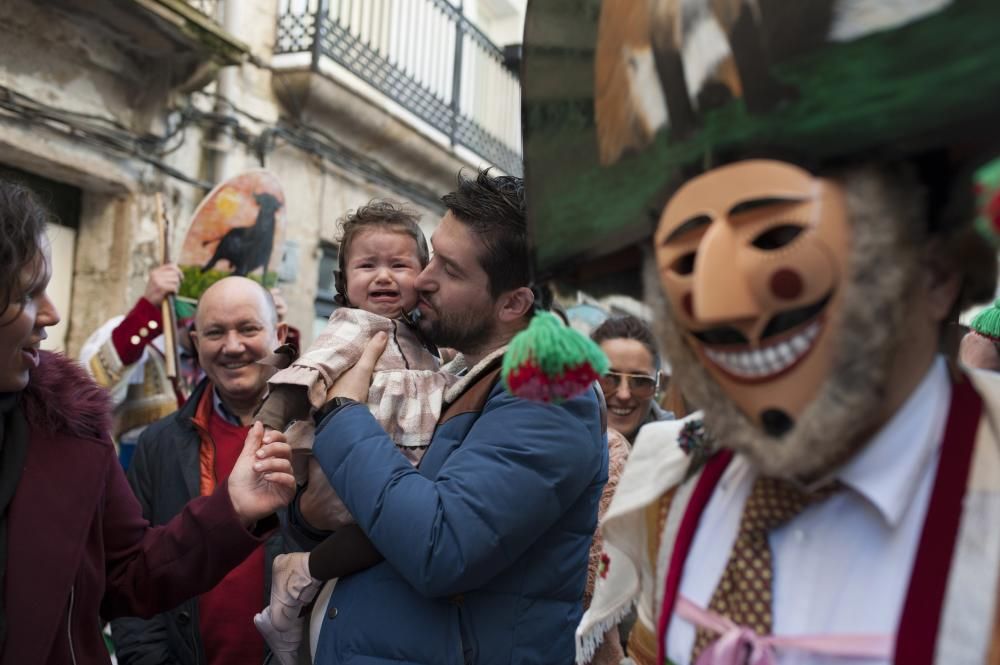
[(777, 237), (684, 265)]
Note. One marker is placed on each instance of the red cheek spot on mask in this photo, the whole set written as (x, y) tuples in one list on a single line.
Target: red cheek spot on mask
[(786, 284)]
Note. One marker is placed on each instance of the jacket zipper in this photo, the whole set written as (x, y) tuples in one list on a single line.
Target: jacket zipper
[(69, 623), (459, 602), (196, 621)]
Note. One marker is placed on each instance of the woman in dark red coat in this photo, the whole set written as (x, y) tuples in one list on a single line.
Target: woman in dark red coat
[(74, 547)]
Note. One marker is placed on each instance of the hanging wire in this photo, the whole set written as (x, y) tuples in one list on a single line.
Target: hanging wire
[(262, 139)]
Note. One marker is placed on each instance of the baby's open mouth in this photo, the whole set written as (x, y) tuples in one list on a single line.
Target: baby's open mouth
[(787, 339), (383, 295)]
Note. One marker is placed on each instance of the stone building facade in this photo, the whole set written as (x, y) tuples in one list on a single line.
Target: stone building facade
[(105, 103)]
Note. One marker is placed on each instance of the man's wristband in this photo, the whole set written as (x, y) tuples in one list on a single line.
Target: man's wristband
[(331, 407)]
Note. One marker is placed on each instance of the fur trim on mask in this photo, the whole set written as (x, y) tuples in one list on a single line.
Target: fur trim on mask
[(886, 214)]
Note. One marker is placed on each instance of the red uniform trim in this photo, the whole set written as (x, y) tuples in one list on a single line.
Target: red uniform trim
[(137, 319)]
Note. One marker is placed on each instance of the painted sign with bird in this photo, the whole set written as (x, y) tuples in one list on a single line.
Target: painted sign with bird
[(238, 229)]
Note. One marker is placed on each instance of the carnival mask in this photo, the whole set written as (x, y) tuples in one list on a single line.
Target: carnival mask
[(753, 259)]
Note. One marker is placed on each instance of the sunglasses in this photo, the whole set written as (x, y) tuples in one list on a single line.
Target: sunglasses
[(640, 385)]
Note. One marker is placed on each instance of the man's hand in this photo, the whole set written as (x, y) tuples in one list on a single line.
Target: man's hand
[(355, 382), (163, 281), (261, 481)]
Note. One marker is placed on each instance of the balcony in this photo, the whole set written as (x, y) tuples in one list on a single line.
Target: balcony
[(425, 57), (176, 41)]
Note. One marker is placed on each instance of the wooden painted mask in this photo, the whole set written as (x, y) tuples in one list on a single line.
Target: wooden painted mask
[(752, 257)]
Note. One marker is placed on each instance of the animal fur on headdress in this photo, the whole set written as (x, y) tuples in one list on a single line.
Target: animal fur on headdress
[(888, 233)]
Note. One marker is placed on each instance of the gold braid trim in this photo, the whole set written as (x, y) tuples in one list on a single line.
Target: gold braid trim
[(106, 367), (642, 646)]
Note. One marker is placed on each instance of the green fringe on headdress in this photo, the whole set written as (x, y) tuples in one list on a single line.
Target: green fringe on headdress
[(551, 362), (987, 322)]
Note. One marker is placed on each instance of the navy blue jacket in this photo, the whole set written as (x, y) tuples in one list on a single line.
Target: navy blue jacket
[(485, 543)]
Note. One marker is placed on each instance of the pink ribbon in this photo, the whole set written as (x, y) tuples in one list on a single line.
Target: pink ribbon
[(739, 645)]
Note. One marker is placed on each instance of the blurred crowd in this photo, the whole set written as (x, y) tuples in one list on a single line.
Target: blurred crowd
[(796, 460), (421, 518)]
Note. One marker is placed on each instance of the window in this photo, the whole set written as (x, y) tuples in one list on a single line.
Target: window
[(326, 289)]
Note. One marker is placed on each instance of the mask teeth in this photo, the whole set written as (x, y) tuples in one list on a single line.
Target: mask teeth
[(758, 363)]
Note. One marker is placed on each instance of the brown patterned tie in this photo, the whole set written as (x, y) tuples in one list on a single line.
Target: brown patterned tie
[(744, 591)]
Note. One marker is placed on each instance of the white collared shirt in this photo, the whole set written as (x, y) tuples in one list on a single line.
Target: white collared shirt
[(842, 566)]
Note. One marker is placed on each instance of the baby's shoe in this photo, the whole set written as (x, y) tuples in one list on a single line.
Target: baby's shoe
[(292, 588)]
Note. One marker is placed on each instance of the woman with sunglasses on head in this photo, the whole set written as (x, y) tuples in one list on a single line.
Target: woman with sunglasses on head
[(632, 383), (74, 547)]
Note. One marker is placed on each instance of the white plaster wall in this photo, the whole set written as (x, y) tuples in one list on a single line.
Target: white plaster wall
[(49, 56), (501, 20)]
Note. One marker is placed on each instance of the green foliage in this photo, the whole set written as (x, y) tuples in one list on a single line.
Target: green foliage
[(196, 282), (269, 280)]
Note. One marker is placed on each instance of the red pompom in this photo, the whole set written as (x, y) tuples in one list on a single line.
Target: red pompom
[(993, 210), (530, 382)]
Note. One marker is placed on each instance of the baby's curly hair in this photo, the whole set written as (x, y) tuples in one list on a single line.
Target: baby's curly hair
[(22, 227)]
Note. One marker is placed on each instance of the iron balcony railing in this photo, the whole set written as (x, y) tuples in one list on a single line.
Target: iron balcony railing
[(426, 56)]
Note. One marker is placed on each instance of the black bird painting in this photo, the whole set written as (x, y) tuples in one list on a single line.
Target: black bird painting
[(249, 247)]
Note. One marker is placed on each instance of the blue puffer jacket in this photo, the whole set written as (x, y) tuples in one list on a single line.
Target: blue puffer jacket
[(485, 543)]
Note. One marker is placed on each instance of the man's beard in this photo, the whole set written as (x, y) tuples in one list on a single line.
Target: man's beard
[(887, 235), (468, 331)]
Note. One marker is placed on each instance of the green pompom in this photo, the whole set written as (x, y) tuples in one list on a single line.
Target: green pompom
[(987, 322), (551, 362)]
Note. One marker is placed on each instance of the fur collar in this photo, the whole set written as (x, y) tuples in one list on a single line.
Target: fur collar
[(62, 398), (472, 374)]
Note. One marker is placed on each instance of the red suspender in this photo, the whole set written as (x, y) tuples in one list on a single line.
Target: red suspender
[(918, 626), (709, 478)]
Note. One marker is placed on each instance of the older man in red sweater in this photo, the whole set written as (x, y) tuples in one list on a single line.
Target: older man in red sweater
[(186, 455)]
